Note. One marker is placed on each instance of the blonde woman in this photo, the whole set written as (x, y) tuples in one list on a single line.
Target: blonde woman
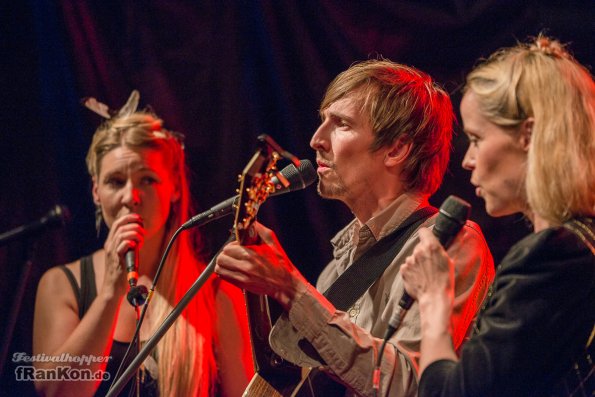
[(142, 195), (529, 113)]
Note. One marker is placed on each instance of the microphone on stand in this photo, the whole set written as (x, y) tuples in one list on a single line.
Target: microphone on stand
[(57, 216), (452, 215), (298, 177)]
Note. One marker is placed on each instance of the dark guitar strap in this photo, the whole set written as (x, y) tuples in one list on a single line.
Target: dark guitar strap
[(580, 379), (362, 273), (355, 281)]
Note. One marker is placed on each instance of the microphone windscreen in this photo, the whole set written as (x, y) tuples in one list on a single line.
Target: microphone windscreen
[(298, 177), (453, 214)]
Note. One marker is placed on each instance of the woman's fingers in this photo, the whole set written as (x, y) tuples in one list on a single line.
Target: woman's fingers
[(428, 268)]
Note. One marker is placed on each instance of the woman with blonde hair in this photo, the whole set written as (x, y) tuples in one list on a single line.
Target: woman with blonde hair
[(142, 195), (529, 113)]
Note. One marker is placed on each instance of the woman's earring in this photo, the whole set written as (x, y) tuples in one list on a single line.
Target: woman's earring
[(98, 219)]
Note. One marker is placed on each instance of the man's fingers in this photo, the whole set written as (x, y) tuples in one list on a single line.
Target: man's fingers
[(265, 234), (237, 278)]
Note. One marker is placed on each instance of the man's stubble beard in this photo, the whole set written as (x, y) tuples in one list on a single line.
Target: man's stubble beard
[(331, 191)]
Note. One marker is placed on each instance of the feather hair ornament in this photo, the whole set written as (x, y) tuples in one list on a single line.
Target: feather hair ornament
[(104, 111)]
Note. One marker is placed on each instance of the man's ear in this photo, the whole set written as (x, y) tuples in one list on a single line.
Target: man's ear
[(398, 152), (525, 133), (94, 191)]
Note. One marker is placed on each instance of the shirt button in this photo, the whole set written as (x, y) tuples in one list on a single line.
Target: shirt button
[(354, 311)]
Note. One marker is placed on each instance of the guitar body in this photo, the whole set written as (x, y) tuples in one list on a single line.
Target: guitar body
[(274, 376), (259, 386)]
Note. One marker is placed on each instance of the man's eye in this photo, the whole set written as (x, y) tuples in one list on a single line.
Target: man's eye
[(340, 123)]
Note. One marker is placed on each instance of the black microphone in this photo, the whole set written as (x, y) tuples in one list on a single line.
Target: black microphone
[(131, 258), (452, 215), (57, 216), (298, 177), (137, 294)]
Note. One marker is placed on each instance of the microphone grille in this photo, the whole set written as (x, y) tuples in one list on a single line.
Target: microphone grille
[(456, 208), (451, 218), (301, 177)]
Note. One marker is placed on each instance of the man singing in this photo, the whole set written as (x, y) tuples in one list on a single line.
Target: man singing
[(382, 148)]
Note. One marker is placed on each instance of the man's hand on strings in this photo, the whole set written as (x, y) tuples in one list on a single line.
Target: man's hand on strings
[(263, 268)]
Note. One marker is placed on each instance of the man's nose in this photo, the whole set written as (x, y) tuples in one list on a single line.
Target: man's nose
[(319, 141)]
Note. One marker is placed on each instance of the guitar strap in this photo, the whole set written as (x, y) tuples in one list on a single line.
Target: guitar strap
[(362, 273), (580, 378), (355, 281)]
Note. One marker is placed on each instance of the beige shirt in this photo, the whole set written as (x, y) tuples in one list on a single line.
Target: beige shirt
[(349, 342)]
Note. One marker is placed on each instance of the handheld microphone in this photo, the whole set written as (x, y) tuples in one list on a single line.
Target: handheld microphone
[(57, 216), (131, 258), (452, 215), (137, 294), (298, 177)]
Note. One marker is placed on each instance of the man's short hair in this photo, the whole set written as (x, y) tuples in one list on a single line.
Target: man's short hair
[(402, 103)]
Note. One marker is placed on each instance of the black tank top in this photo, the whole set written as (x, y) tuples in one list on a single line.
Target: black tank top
[(85, 294)]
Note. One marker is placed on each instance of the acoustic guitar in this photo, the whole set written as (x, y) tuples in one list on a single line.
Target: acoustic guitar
[(273, 375)]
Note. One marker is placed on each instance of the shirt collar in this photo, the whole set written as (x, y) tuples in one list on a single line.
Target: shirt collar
[(384, 222), (395, 213)]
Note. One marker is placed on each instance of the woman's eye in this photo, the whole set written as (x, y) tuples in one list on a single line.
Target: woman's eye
[(114, 182), (473, 140), (148, 180)]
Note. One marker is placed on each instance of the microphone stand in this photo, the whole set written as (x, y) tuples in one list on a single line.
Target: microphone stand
[(57, 216), (164, 327), (30, 248)]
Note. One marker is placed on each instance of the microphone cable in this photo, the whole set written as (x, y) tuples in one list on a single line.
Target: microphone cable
[(404, 305), (135, 336)]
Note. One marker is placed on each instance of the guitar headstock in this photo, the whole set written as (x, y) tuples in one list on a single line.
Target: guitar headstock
[(255, 186), (274, 376)]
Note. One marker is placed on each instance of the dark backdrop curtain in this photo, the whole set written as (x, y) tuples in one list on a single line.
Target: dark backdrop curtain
[(221, 72)]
